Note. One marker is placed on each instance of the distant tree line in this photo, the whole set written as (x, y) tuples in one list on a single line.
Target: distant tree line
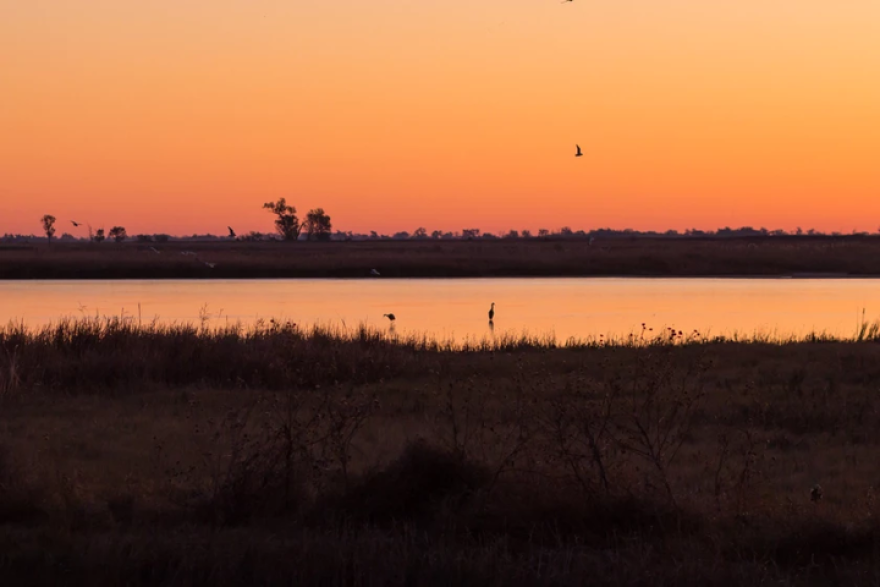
[(567, 232), (117, 233), (317, 226)]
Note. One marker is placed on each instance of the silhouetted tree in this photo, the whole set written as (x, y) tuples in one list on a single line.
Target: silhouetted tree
[(543, 232), (436, 234), (513, 234), (527, 233), (318, 225), (374, 235), (286, 221), (420, 233), (144, 238), (470, 233), (99, 235), (118, 233), (48, 226), (402, 235)]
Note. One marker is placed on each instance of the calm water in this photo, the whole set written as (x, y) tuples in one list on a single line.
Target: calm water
[(458, 308)]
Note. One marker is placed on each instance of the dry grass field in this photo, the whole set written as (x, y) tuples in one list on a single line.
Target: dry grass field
[(275, 455), (845, 255)]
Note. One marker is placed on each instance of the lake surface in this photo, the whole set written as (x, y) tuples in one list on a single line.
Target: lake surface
[(457, 308)]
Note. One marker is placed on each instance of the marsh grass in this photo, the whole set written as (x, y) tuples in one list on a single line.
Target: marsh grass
[(122, 352), (189, 454)]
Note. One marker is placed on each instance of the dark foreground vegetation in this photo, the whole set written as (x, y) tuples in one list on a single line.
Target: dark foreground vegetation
[(612, 256), (153, 455)]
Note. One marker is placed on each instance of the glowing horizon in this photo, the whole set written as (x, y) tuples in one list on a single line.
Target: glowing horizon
[(392, 115)]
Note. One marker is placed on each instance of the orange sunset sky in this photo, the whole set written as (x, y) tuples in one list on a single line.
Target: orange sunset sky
[(184, 116)]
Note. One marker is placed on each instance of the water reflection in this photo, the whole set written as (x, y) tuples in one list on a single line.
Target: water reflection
[(456, 308)]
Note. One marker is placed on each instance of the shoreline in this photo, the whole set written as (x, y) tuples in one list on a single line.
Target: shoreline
[(756, 276), (641, 258)]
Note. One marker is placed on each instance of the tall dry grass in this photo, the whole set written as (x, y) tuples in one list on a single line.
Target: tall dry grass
[(121, 354), (351, 458)]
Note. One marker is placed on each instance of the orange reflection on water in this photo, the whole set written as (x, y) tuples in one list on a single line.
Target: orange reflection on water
[(458, 308)]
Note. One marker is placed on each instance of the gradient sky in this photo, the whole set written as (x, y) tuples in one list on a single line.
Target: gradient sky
[(184, 116)]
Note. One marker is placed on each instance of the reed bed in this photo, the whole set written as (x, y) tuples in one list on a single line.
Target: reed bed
[(118, 353)]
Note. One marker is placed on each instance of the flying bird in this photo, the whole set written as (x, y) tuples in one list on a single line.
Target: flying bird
[(374, 273), (75, 223), (389, 316), (211, 265), (578, 154), (155, 250), (231, 232), (492, 312)]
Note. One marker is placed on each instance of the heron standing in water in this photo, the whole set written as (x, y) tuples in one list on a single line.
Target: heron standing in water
[(492, 312), (390, 317)]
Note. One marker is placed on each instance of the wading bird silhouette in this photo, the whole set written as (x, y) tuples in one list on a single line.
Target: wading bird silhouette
[(578, 154), (390, 317), (492, 312)]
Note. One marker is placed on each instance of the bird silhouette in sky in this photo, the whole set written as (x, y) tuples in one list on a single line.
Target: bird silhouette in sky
[(75, 223), (578, 154)]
